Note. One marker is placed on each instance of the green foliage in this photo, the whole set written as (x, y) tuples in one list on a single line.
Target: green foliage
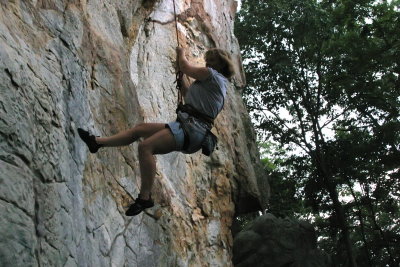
[(284, 200), (323, 84)]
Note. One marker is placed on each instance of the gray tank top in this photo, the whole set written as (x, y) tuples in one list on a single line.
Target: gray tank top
[(208, 96)]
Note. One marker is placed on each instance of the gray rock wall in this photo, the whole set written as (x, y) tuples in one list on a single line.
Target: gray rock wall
[(106, 65)]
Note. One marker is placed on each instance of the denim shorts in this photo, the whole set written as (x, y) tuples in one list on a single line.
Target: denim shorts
[(196, 133)]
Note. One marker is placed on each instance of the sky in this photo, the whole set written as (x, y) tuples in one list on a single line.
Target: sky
[(239, 4)]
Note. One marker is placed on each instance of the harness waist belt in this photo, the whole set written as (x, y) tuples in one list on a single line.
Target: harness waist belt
[(198, 115)]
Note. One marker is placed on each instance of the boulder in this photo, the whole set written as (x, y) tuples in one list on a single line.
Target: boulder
[(268, 241)]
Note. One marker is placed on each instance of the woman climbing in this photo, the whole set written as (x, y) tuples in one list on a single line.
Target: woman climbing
[(204, 99)]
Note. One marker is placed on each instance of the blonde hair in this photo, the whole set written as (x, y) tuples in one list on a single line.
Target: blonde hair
[(224, 65)]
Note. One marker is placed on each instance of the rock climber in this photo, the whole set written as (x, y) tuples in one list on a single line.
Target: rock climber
[(204, 99)]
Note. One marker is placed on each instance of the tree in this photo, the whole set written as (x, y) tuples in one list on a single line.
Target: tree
[(323, 84)]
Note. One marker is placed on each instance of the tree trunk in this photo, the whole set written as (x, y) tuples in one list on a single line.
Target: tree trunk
[(327, 179), (377, 227), (361, 219), (331, 187)]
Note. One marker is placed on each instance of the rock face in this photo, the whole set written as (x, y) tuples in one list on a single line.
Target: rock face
[(272, 242), (105, 66)]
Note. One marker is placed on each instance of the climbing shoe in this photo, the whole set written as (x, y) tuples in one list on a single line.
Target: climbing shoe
[(90, 140), (139, 206)]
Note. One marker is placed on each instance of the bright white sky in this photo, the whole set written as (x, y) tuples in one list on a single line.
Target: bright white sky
[(239, 4)]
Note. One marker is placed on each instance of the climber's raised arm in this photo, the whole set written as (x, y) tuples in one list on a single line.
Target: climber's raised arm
[(185, 84), (195, 72)]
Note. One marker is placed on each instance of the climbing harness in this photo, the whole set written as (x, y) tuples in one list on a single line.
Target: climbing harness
[(188, 124)]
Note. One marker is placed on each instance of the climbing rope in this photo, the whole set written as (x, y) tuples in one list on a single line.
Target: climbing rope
[(176, 24), (178, 73)]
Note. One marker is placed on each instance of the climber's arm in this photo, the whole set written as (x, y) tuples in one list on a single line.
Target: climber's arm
[(198, 73), (185, 84)]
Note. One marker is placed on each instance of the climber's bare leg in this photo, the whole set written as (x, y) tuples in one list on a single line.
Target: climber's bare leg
[(129, 136), (161, 142)]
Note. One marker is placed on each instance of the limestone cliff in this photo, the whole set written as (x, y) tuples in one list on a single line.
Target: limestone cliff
[(106, 65)]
